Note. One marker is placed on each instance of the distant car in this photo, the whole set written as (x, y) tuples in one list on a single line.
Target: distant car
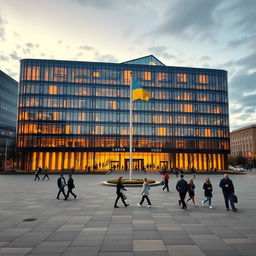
[(231, 168), (239, 169)]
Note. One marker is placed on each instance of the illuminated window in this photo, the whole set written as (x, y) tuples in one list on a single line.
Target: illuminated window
[(147, 76), (207, 132), (162, 76), (52, 89), (96, 74), (182, 78), (203, 79), (127, 76)]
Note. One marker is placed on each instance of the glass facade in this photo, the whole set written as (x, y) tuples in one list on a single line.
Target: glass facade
[(8, 113), (76, 114)]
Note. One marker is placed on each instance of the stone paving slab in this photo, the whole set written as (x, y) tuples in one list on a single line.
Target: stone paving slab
[(90, 225)]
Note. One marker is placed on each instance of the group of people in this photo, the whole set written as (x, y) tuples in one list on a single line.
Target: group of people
[(61, 182), (39, 170), (183, 187)]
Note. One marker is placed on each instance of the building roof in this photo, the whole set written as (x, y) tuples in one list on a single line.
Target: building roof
[(244, 128), (146, 60)]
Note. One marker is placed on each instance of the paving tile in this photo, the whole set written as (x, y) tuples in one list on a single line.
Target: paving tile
[(184, 250), (148, 245)]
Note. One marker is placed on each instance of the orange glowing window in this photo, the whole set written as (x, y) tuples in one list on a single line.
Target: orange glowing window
[(207, 132), (188, 108), (67, 129), (127, 76), (182, 78), (186, 96), (96, 74), (33, 73), (55, 117), (217, 110), (52, 89), (161, 131), (162, 76), (203, 79), (124, 132), (147, 76)]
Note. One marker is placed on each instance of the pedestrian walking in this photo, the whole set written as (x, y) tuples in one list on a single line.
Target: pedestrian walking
[(194, 172), (182, 188), (191, 191), (71, 186), (46, 171), (207, 192), (145, 193), (61, 182), (166, 181), (119, 192), (228, 192), (37, 174)]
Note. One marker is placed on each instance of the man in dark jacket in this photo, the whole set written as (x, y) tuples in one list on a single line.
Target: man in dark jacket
[(71, 186), (182, 188), (228, 190), (61, 182)]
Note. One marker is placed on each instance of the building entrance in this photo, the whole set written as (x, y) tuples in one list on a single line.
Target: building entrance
[(137, 164), (163, 163), (114, 165)]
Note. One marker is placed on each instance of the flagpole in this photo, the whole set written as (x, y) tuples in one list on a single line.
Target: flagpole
[(131, 126)]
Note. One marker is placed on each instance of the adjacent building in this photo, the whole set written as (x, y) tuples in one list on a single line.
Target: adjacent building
[(8, 114), (75, 115), (243, 142)]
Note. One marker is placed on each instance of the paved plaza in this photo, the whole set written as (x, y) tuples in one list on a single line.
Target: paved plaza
[(90, 225)]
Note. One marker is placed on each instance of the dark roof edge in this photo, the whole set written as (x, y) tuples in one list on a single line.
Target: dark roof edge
[(128, 65)]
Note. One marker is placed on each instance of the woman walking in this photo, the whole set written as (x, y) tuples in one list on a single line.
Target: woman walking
[(166, 181), (71, 186), (207, 192), (145, 193), (191, 192), (119, 188)]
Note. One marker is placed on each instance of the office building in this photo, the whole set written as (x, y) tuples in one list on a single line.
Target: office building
[(8, 115), (75, 115)]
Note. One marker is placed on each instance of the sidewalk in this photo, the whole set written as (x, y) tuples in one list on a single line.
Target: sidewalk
[(90, 225)]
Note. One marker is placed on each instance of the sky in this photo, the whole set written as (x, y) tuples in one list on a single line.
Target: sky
[(190, 33)]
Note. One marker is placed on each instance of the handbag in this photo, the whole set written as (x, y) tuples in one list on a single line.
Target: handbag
[(234, 197)]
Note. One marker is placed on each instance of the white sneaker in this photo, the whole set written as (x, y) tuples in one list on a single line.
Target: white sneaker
[(139, 205), (211, 207), (149, 206), (202, 202), (196, 205)]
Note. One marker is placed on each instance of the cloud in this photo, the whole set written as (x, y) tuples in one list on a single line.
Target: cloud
[(4, 58), (205, 58), (60, 42), (248, 61), (105, 57), (161, 51), (2, 30), (100, 4), (190, 19), (244, 14), (85, 47), (14, 56), (235, 43)]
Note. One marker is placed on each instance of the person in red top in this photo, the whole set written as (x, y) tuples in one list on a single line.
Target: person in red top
[(166, 181)]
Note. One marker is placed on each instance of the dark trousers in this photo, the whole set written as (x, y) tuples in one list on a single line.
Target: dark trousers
[(182, 199), (228, 197), (37, 177), (71, 192), (46, 175), (143, 198), (62, 190), (166, 185), (120, 195)]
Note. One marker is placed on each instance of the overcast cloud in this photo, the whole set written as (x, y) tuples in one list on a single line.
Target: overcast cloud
[(197, 33)]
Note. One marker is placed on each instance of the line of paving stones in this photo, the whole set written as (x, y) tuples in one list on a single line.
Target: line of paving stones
[(90, 225)]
